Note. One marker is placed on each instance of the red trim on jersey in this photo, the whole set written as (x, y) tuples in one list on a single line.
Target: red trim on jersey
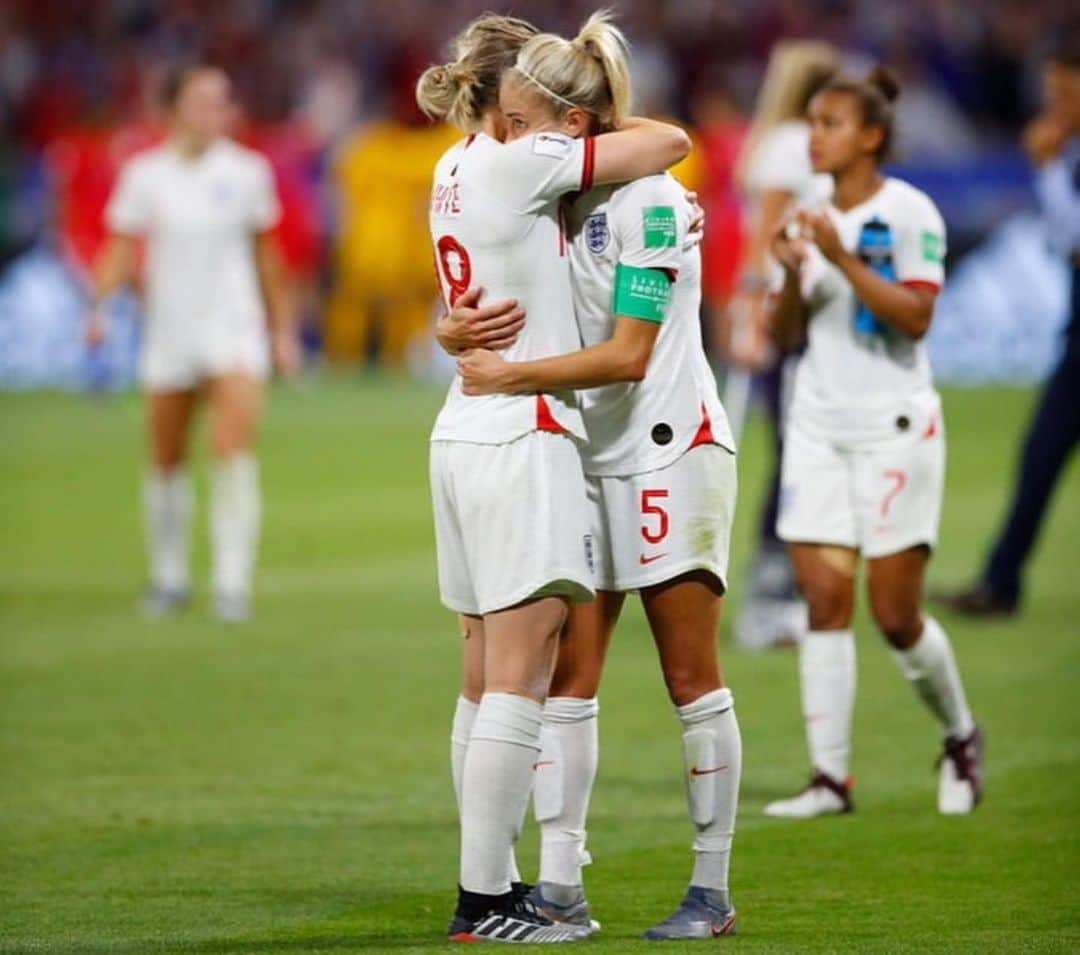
[(704, 432), (931, 428), (923, 284), (588, 164), (561, 219), (545, 420), (469, 140)]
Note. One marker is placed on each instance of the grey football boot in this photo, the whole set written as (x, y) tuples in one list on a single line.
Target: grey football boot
[(703, 913), (565, 904)]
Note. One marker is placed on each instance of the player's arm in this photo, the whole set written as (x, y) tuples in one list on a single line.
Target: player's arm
[(907, 308), (114, 268), (469, 324), (640, 147), (788, 314), (280, 309), (623, 357)]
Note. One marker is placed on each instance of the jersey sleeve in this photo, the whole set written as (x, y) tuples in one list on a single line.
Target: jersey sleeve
[(650, 218), (129, 208), (265, 206), (919, 257), (531, 172)]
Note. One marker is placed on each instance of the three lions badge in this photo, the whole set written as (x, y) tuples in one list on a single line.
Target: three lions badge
[(597, 234)]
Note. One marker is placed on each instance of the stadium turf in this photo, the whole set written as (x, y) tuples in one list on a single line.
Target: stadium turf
[(282, 786)]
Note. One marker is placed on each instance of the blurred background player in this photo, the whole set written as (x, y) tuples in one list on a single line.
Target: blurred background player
[(380, 302), (1052, 141), (660, 472), (774, 172), (864, 457), (205, 206), (512, 461)]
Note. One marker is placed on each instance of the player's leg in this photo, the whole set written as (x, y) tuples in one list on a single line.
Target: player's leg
[(235, 507), (566, 768), (826, 578), (167, 498), (519, 656), (683, 615), (924, 653)]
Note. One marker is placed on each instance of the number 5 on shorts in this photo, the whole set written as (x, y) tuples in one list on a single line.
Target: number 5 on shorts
[(649, 509)]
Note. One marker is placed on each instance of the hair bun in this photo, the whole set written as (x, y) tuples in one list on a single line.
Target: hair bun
[(885, 81)]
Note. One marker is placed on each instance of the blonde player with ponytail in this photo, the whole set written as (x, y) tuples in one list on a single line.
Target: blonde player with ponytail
[(660, 473), (512, 532)]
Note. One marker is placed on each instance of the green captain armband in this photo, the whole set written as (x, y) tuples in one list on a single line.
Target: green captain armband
[(641, 293)]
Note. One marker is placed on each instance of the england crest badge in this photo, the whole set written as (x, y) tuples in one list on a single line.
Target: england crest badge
[(597, 235)]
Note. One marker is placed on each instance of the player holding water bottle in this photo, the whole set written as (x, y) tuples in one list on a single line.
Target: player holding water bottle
[(864, 455)]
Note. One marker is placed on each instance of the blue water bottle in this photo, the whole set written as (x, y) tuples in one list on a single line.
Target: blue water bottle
[(875, 249)]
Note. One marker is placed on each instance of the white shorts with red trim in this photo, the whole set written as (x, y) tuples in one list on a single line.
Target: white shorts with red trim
[(880, 497), (651, 528), (510, 522)]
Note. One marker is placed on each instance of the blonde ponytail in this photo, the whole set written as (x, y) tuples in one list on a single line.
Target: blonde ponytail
[(460, 91), (591, 72)]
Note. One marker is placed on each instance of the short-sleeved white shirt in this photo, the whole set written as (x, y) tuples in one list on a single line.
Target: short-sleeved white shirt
[(856, 383), (495, 222), (781, 160), (635, 427), (198, 216)]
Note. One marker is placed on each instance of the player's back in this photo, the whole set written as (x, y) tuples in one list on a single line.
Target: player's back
[(495, 223)]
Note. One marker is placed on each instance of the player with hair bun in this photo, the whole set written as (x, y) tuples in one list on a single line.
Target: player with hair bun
[(511, 462), (660, 473), (864, 456)]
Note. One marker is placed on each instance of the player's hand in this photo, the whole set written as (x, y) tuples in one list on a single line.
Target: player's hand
[(285, 352), (493, 326), (788, 246), (482, 372), (697, 213), (94, 328), (1044, 138), (819, 229), (750, 345)]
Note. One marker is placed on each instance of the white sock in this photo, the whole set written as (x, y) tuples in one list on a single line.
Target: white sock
[(931, 668), (712, 752), (827, 668), (234, 522), (495, 783), (565, 772), (167, 503)]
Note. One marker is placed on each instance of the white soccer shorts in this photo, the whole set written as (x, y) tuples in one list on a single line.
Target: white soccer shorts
[(880, 497), (180, 363), (651, 528), (510, 522)]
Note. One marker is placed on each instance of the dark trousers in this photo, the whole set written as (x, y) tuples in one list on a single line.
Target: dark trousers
[(1051, 438)]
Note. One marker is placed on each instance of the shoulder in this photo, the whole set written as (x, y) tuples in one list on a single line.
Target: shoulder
[(147, 162), (242, 158), (909, 200), (660, 190)]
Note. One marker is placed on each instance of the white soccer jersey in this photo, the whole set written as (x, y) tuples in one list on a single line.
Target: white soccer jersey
[(495, 222), (859, 377), (781, 161), (635, 427), (198, 216)]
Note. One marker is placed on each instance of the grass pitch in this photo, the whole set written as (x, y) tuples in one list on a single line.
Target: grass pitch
[(283, 786)]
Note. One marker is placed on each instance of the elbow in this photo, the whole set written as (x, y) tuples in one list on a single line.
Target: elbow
[(920, 327), (635, 367), (680, 145)]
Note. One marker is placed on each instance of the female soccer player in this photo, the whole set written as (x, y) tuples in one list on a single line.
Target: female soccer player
[(864, 455), (509, 496), (660, 473), (774, 174), (205, 206)]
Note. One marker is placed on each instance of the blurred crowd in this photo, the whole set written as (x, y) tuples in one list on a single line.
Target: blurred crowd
[(325, 90)]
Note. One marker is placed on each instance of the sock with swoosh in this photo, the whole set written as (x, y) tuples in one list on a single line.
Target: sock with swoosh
[(565, 772), (827, 671), (712, 751)]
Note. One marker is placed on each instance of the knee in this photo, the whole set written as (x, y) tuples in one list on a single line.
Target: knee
[(686, 684), (899, 622), (830, 602)]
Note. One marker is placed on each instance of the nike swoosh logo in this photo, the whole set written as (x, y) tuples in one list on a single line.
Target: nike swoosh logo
[(694, 771), (648, 560), (815, 717), (544, 762)]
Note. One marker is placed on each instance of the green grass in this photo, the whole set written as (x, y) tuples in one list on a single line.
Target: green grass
[(283, 786)]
